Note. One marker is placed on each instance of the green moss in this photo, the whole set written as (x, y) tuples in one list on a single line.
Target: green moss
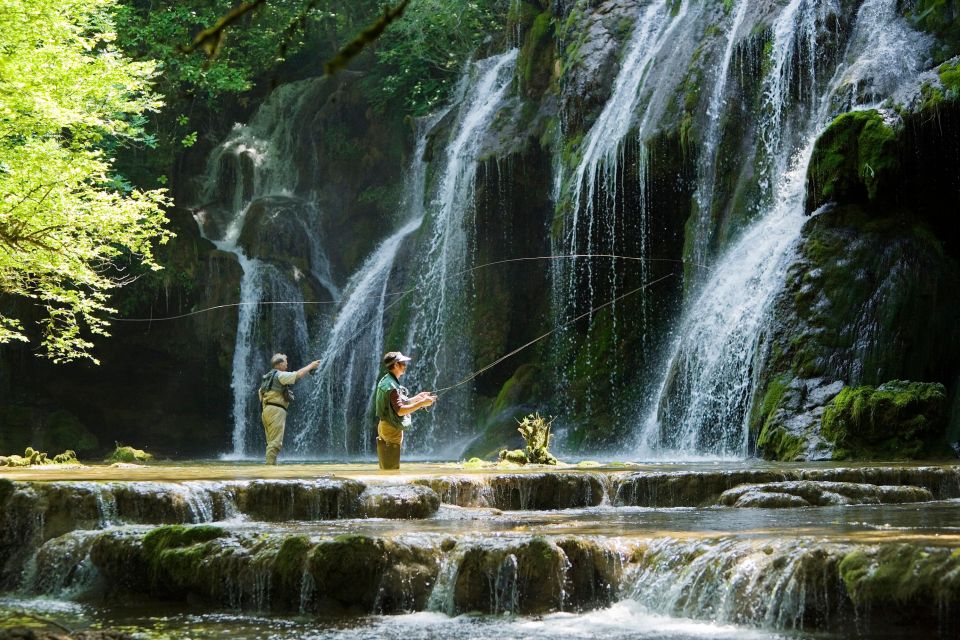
[(177, 535), (776, 443), (853, 160), (124, 453), (896, 419), (950, 79), (288, 567), (174, 555), (901, 574), (535, 61), (347, 571)]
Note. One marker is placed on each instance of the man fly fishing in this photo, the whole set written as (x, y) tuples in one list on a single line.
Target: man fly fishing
[(275, 396), (393, 409)]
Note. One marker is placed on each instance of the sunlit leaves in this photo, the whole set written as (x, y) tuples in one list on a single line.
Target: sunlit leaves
[(67, 99)]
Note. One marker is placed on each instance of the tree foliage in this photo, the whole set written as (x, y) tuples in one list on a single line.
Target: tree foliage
[(421, 55), (68, 101)]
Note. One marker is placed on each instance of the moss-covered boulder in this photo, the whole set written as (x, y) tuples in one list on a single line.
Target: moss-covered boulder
[(128, 454), (905, 583), (898, 419), (175, 556), (854, 160)]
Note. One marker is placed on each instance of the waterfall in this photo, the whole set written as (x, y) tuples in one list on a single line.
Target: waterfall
[(703, 196), (597, 214), (702, 403), (255, 191), (351, 351), (439, 308)]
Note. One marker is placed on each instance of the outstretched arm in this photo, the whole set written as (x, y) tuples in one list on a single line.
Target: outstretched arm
[(307, 369)]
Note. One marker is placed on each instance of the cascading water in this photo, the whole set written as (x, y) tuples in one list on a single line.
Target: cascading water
[(351, 351), (253, 193), (439, 309), (703, 399), (599, 216), (703, 196)]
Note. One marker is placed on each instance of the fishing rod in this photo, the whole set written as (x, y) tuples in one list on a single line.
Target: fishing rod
[(401, 294)]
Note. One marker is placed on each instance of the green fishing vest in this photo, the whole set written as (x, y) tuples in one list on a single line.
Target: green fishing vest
[(385, 412)]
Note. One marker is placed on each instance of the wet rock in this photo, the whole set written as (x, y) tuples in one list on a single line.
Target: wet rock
[(547, 491), (523, 577), (33, 633), (596, 33), (942, 481), (363, 574), (321, 499), (686, 489), (593, 574), (806, 493), (398, 501), (462, 491)]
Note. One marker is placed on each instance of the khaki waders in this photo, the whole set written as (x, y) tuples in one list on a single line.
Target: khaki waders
[(274, 421), (389, 439)]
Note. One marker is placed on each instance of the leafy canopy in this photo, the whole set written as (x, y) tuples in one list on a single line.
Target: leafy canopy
[(68, 101)]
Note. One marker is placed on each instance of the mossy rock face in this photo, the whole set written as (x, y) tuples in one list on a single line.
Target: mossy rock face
[(129, 454), (535, 62), (289, 566), (854, 160), (906, 582), (896, 419)]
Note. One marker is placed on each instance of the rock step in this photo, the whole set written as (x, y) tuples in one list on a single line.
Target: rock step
[(780, 583), (811, 493)]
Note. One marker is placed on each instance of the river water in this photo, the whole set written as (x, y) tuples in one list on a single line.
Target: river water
[(668, 559)]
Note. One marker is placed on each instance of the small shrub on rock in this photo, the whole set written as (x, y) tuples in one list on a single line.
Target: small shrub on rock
[(536, 433)]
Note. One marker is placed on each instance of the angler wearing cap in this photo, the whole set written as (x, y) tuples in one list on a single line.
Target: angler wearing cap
[(275, 396), (393, 409)]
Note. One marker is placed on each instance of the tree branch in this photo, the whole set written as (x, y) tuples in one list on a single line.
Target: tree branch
[(368, 35), (210, 39)]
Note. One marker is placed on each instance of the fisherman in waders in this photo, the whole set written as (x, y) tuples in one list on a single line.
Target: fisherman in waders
[(275, 397), (394, 408)]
